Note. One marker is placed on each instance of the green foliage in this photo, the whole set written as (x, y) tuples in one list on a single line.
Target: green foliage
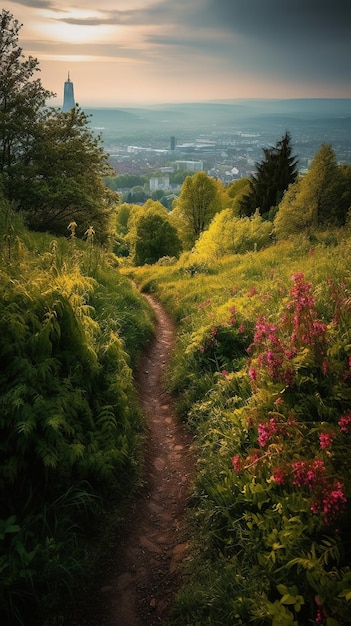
[(322, 197), (69, 425), (233, 235), (22, 98)]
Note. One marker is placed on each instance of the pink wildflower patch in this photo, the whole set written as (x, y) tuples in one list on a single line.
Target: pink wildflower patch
[(279, 476), (326, 440), (345, 423), (265, 432)]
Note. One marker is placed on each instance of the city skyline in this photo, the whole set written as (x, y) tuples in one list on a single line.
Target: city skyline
[(137, 52)]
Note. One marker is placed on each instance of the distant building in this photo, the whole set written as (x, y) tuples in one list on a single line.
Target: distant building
[(68, 96), (191, 166), (159, 182), (173, 143)]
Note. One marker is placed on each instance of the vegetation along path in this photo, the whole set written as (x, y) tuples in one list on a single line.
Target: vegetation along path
[(148, 559)]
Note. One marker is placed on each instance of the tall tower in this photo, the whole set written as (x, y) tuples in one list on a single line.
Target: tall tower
[(68, 96)]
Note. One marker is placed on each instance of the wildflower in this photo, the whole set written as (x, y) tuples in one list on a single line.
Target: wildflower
[(241, 328), (309, 473), (201, 349), (279, 476), (253, 373), (225, 373), (265, 431), (252, 292), (213, 331), (279, 400), (237, 463), (326, 440), (325, 367), (332, 502), (345, 423)]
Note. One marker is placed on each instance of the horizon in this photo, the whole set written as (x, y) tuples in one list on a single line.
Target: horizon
[(152, 52)]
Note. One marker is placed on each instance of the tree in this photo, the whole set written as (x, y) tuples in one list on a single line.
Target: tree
[(274, 174), (22, 99), (322, 197), (200, 199), (62, 177), (155, 238)]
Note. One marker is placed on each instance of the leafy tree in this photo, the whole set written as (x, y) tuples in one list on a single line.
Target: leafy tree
[(156, 237), (22, 98), (321, 197), (62, 178), (235, 192), (274, 174), (200, 199), (151, 234)]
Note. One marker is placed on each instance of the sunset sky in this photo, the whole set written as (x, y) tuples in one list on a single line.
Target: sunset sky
[(133, 52)]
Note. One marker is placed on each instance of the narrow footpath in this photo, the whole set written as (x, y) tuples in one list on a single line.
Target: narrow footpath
[(141, 589)]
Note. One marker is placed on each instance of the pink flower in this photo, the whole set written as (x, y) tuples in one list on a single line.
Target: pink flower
[(252, 292), (253, 373), (241, 328), (332, 502), (326, 440), (237, 463), (279, 476), (201, 349), (265, 431), (345, 423), (309, 473), (225, 373)]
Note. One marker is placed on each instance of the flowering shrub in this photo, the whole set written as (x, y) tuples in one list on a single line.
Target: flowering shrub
[(296, 461)]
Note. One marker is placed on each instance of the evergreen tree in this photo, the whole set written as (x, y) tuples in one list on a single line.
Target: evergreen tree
[(274, 174)]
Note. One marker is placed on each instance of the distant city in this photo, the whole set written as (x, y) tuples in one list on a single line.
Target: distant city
[(224, 139)]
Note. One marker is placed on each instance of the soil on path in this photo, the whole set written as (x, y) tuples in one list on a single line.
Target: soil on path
[(148, 559)]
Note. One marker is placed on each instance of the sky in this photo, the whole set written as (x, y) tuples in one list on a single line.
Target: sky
[(137, 52)]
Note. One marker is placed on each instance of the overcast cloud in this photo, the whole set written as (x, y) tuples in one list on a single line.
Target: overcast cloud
[(191, 49)]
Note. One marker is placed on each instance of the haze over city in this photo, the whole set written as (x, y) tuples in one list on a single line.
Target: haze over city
[(156, 51)]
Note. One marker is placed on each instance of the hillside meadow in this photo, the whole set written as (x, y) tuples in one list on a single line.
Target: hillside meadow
[(261, 373)]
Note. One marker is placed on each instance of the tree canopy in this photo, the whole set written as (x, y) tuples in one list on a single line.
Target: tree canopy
[(22, 98), (51, 164), (200, 199), (321, 197), (274, 174)]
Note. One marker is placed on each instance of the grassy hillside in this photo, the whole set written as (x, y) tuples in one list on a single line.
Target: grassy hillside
[(262, 375), (71, 328)]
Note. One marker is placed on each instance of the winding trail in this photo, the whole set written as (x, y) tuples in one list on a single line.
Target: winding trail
[(141, 589)]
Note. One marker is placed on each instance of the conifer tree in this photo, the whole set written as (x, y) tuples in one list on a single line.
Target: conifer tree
[(274, 174)]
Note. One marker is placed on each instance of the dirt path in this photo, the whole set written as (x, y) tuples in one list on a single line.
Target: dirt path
[(141, 589)]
